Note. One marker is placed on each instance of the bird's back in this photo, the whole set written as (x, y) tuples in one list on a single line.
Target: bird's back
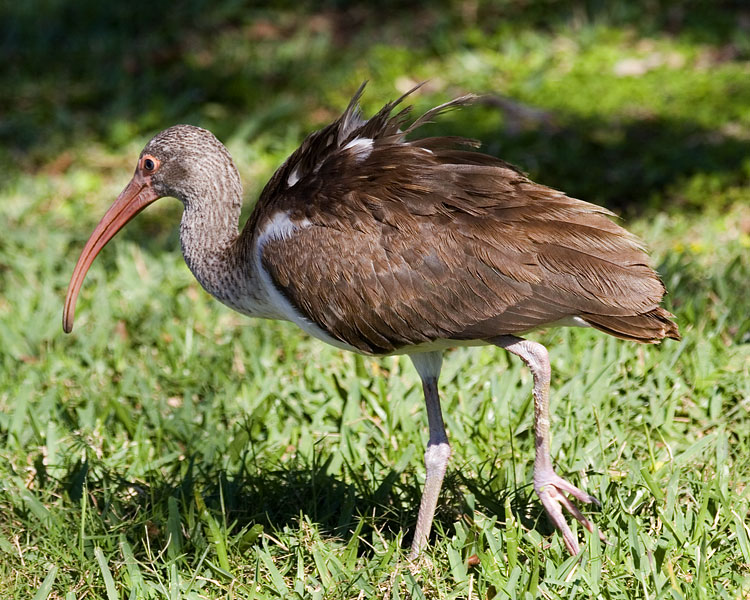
[(389, 243)]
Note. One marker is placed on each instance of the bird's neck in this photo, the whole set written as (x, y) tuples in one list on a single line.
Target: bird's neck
[(211, 244)]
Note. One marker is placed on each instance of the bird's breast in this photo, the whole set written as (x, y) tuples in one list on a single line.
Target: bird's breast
[(281, 226)]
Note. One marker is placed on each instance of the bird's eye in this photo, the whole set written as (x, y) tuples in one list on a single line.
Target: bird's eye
[(150, 163)]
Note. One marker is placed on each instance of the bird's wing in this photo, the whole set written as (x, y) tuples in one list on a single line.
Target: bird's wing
[(389, 243)]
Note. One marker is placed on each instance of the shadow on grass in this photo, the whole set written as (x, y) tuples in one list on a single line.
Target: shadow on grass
[(277, 497)]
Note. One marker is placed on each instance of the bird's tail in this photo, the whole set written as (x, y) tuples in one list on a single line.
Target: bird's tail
[(649, 328)]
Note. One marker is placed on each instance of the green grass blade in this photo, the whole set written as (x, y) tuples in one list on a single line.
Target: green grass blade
[(46, 588), (109, 582)]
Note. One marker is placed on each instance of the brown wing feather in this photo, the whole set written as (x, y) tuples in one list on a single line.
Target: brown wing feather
[(418, 241)]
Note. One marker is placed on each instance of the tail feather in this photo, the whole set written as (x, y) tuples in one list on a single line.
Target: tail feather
[(649, 328)]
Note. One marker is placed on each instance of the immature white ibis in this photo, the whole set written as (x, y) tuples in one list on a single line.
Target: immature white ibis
[(383, 245)]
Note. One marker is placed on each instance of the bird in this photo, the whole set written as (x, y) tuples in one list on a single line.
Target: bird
[(381, 242)]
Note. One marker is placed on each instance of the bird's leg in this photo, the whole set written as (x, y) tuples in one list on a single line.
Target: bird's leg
[(548, 485), (438, 451)]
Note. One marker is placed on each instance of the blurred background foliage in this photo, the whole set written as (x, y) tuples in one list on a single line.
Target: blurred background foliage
[(615, 102)]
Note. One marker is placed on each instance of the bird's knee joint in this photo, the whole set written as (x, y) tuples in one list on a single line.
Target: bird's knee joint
[(537, 353), (437, 455)]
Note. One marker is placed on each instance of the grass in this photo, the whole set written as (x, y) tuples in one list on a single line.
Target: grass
[(170, 448)]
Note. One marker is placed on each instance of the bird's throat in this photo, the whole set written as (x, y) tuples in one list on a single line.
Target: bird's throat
[(212, 248)]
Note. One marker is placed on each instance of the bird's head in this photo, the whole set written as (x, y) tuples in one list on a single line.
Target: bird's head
[(180, 162)]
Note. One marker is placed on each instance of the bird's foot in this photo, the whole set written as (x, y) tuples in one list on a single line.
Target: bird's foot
[(552, 490)]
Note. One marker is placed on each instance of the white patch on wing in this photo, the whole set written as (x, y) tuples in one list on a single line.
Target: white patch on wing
[(281, 227), (293, 177), (362, 147)]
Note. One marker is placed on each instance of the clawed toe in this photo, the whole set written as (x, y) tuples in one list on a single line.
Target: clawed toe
[(552, 491)]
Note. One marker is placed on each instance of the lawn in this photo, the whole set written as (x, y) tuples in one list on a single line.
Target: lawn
[(170, 448)]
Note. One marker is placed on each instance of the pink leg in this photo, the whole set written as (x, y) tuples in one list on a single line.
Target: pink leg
[(548, 485)]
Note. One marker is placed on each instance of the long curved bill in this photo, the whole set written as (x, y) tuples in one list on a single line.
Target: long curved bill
[(134, 198)]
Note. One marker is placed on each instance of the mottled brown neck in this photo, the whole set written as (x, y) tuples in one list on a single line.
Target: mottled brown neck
[(209, 232)]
